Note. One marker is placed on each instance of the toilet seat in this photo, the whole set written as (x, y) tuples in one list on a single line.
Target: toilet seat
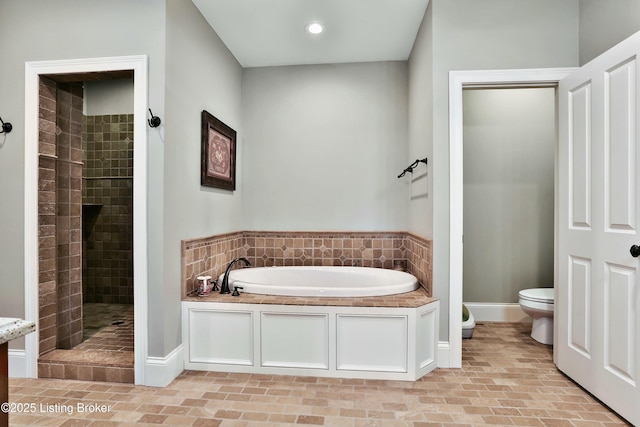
[(540, 295)]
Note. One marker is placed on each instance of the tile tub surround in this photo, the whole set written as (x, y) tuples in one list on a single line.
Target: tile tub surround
[(211, 255)]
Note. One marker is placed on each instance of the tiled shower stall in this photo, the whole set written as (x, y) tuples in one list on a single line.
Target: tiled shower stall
[(85, 214)]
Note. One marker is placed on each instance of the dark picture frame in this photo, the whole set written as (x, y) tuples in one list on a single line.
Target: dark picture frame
[(218, 159)]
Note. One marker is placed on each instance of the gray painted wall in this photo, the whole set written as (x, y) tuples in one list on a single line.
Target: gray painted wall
[(492, 34), (201, 74), (421, 128), (603, 24), (509, 148), (323, 147)]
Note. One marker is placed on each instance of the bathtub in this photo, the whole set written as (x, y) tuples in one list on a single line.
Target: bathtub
[(341, 282), (383, 336)]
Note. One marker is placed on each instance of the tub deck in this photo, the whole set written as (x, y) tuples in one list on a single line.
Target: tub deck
[(412, 299)]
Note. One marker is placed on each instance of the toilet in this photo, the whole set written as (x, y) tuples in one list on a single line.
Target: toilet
[(538, 303)]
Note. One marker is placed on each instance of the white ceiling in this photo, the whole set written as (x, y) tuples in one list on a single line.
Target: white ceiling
[(272, 32)]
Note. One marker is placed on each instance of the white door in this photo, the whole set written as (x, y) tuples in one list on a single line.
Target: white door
[(598, 290)]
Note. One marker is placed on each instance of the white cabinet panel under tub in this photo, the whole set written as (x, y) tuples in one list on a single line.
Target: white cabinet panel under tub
[(371, 343), (391, 343), (294, 340), (426, 350), (221, 336)]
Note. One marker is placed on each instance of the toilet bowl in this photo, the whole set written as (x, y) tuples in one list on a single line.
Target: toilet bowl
[(538, 304)]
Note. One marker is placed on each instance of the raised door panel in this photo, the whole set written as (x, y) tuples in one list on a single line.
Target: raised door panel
[(620, 148), (580, 306), (620, 320), (580, 179)]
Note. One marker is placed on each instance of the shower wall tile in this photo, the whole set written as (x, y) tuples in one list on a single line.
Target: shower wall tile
[(108, 209), (210, 255), (68, 223), (47, 248), (47, 254), (47, 114)]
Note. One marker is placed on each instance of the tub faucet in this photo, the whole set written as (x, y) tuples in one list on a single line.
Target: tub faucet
[(224, 286)]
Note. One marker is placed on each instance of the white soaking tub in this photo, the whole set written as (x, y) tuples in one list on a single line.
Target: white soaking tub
[(321, 281), (383, 336)]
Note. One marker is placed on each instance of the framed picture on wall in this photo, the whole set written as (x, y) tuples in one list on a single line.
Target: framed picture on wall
[(218, 160)]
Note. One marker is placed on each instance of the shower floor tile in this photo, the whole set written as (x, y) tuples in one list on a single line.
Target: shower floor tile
[(506, 379), (106, 354), (107, 327)]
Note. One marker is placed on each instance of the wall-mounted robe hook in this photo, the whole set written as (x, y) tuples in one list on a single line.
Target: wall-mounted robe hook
[(6, 127), (154, 121), (412, 166)]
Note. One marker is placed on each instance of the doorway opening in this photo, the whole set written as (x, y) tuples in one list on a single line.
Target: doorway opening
[(63, 213), (85, 186), (509, 148), (459, 80)]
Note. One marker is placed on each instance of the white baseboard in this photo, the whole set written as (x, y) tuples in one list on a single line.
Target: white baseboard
[(444, 360), (160, 371), (497, 312), (17, 363)]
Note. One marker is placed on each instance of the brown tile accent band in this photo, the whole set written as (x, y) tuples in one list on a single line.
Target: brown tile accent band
[(210, 255)]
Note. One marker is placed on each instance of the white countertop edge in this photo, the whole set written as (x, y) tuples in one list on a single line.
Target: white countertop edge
[(11, 328)]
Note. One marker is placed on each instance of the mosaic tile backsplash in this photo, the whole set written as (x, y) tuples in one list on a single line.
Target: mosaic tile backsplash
[(211, 255)]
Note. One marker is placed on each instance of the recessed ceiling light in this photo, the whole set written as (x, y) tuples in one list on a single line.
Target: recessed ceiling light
[(315, 28)]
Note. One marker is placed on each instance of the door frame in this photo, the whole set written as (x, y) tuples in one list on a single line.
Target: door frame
[(33, 70), (458, 81)]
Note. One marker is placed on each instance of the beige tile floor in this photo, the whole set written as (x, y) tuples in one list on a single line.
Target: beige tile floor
[(507, 379)]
